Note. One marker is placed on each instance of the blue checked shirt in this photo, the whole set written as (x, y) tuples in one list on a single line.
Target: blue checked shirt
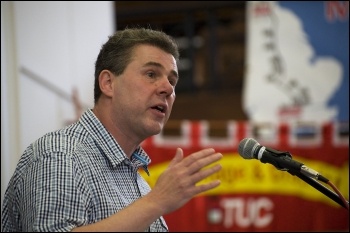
[(73, 177)]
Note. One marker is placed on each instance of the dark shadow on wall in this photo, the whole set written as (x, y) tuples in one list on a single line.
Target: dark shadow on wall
[(211, 37)]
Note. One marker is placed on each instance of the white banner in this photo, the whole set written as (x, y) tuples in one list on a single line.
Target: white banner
[(297, 61)]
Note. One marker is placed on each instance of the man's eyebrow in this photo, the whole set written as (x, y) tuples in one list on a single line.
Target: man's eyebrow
[(152, 63)]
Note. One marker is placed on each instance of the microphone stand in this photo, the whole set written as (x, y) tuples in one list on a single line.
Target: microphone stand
[(329, 193), (282, 160)]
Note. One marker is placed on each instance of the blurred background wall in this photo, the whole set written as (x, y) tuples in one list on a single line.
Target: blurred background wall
[(275, 71), (47, 50)]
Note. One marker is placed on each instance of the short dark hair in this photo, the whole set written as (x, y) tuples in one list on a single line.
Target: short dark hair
[(116, 53)]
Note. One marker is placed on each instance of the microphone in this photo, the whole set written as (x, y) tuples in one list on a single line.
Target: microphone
[(250, 149)]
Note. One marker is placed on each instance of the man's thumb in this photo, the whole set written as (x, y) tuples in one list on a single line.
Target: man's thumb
[(178, 157)]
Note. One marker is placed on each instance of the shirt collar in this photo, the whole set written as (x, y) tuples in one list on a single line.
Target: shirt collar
[(108, 145)]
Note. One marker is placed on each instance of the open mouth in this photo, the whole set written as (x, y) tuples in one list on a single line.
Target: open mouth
[(159, 108)]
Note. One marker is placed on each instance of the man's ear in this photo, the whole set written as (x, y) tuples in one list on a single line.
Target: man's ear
[(105, 80)]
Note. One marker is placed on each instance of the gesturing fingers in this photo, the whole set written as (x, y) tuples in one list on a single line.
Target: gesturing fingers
[(191, 180), (197, 156), (201, 159), (185, 177)]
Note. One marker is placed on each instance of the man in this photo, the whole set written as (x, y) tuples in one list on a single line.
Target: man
[(85, 177)]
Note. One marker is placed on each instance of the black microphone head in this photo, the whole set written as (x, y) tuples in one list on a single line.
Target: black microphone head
[(246, 148)]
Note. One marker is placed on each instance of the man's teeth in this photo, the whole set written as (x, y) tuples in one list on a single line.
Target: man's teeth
[(160, 108)]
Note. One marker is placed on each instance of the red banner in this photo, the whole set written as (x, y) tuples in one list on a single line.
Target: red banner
[(254, 196)]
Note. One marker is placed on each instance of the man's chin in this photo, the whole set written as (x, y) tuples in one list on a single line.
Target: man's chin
[(155, 129)]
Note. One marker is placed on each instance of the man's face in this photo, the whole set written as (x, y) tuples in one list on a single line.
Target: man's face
[(144, 94)]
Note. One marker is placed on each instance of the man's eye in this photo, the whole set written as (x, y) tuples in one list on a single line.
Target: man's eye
[(173, 82), (151, 74)]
